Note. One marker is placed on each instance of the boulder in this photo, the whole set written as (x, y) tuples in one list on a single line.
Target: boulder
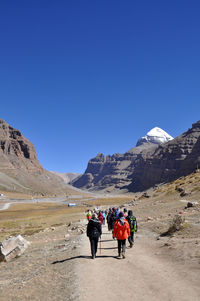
[(185, 193), (145, 195), (13, 247), (191, 204)]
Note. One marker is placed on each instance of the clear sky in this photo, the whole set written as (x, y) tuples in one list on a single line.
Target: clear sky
[(82, 77)]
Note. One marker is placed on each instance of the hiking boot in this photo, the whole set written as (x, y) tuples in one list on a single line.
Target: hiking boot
[(119, 256), (131, 245), (123, 255), (93, 256)]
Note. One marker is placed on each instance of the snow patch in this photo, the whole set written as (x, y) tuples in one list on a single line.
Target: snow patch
[(155, 136)]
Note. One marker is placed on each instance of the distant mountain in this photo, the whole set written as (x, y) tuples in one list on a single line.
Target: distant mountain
[(20, 169), (155, 136), (157, 158), (111, 172), (169, 161), (67, 177)]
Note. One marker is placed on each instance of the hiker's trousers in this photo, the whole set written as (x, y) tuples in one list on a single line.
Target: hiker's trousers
[(131, 238), (121, 246), (94, 245)]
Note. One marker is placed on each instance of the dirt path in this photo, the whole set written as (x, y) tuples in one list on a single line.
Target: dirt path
[(143, 275)]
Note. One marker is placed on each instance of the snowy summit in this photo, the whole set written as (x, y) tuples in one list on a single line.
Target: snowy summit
[(155, 136)]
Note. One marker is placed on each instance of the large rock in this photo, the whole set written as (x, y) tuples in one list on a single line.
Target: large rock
[(13, 247)]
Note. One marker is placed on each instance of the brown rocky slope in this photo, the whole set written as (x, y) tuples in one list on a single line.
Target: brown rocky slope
[(20, 169), (145, 165)]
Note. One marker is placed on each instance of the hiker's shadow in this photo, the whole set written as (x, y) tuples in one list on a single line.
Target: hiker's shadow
[(84, 257), (108, 248), (71, 258)]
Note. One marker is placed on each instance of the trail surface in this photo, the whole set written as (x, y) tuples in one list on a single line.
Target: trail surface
[(142, 275)]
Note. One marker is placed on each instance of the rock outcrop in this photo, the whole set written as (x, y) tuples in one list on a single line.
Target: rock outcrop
[(145, 165), (20, 169), (15, 150)]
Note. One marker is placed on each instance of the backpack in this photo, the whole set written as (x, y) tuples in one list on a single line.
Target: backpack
[(133, 223)]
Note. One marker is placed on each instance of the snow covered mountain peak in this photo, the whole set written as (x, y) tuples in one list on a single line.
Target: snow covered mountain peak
[(155, 136)]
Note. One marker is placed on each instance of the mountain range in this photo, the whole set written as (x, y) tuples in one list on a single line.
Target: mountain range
[(157, 158)]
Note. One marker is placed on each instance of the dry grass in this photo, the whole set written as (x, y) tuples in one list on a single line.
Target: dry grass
[(109, 201), (26, 219), (175, 226)]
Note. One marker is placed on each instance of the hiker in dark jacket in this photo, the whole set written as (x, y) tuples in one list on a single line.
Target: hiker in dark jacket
[(133, 227), (112, 220), (108, 219), (94, 232)]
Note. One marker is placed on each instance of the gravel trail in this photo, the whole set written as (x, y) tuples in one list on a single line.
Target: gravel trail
[(143, 275)]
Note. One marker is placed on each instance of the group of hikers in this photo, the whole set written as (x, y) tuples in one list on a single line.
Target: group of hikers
[(122, 224)]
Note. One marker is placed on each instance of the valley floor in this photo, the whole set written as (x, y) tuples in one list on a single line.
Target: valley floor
[(57, 269)]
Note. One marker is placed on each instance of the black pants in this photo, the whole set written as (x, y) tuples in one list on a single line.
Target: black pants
[(121, 246), (131, 238), (94, 245)]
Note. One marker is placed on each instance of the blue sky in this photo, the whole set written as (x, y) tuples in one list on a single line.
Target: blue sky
[(82, 77)]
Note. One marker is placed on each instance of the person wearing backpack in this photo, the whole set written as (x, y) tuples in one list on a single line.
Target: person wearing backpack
[(94, 232), (89, 215), (121, 231), (133, 227)]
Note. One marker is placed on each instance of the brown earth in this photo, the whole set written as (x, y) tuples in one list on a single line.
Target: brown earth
[(157, 268)]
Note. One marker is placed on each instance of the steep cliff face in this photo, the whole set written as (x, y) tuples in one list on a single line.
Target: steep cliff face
[(151, 162), (15, 150), (168, 162), (20, 169), (108, 172)]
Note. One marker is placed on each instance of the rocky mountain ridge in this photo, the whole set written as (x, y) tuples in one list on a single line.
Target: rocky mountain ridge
[(144, 165), (20, 169), (15, 150), (169, 161)]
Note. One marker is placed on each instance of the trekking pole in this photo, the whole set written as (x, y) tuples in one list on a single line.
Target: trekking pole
[(100, 245)]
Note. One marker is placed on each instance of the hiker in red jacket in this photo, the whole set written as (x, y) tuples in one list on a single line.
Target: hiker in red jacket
[(100, 217), (121, 232)]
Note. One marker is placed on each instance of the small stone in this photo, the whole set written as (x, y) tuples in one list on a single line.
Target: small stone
[(67, 236)]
